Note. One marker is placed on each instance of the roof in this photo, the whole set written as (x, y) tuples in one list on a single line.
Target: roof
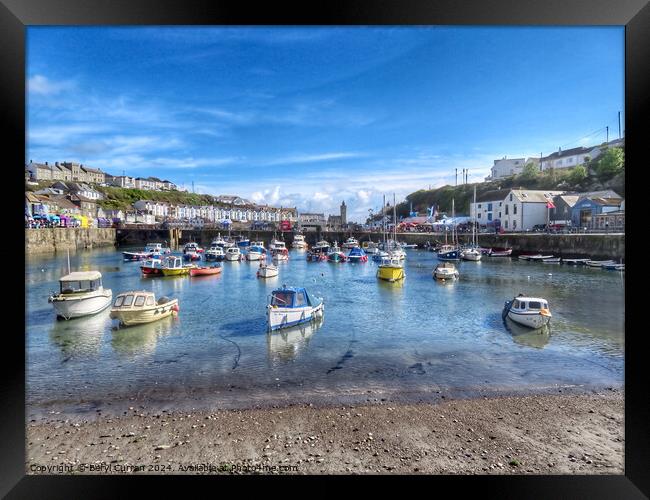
[(495, 195), (568, 152), (81, 276), (534, 196), (32, 198), (93, 170), (569, 199), (291, 289)]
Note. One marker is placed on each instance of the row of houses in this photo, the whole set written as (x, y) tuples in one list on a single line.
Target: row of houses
[(560, 159), (523, 209), (77, 172)]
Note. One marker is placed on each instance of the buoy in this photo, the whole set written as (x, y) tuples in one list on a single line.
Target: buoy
[(550, 274)]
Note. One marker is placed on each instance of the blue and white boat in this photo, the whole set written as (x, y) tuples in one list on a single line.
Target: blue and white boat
[(289, 306), (256, 253), (243, 242), (357, 254), (449, 252)]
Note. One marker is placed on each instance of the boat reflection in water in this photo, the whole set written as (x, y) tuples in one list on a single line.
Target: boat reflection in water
[(80, 337), (286, 344), (522, 335), (139, 340)]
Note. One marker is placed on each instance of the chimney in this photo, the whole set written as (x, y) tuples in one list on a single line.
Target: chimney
[(46, 163)]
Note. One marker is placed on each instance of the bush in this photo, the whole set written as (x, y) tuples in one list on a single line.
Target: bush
[(610, 163)]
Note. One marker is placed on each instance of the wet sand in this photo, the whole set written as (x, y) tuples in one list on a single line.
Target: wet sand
[(534, 434)]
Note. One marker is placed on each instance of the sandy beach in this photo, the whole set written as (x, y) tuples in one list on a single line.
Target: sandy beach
[(536, 434)]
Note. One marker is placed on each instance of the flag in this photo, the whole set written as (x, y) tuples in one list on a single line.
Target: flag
[(550, 204)]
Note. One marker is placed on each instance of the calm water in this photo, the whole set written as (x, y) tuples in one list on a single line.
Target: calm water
[(418, 337)]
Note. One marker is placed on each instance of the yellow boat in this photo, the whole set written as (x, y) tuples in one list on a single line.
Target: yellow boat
[(390, 270), (135, 308), (173, 266)]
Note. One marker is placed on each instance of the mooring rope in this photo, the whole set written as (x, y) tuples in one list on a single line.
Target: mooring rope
[(236, 363)]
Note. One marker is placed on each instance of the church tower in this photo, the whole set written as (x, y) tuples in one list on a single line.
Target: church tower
[(344, 215)]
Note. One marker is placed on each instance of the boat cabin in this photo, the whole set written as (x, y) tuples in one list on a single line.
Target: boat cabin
[(529, 304), (81, 281), (233, 250), (357, 252), (290, 297), (173, 262), (135, 299)]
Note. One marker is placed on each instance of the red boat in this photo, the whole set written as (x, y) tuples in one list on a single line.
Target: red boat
[(205, 271), (152, 267)]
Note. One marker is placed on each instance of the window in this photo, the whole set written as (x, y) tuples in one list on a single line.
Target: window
[(479, 205), (507, 212), (489, 207), (128, 300), (300, 299), (514, 224), (514, 209), (506, 224), (534, 305), (139, 301), (118, 301), (516, 304), (479, 216), (489, 216), (510, 196), (282, 299), (499, 215)]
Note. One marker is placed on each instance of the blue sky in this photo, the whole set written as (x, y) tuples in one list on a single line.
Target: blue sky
[(309, 116)]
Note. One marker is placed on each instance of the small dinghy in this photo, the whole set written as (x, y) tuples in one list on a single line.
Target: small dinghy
[(499, 252), (536, 258), (552, 260), (614, 267), (599, 263), (532, 312), (205, 270), (575, 262), (289, 306)]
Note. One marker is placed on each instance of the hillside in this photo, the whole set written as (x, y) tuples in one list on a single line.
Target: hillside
[(120, 198), (597, 176)]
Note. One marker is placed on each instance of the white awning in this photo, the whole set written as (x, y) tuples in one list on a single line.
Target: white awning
[(82, 276)]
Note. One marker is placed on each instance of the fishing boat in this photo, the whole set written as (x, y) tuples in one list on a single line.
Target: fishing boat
[(357, 254), (138, 307), (446, 251), (267, 271), (219, 241), (173, 266), (215, 253), (152, 267), (299, 242), (499, 252), (243, 242), (351, 243), (599, 263), (156, 249), (319, 251), (390, 269), (276, 244), (406, 246), (81, 293), (532, 312), (370, 247), (289, 306), (233, 254), (258, 243), (255, 253), (280, 254), (192, 251), (205, 270), (380, 256), (336, 254)]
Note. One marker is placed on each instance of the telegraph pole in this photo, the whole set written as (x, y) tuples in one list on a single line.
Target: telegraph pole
[(456, 182), (619, 124), (607, 136)]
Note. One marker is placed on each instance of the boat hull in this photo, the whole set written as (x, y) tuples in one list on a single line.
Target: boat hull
[(254, 256), (282, 317), (205, 271), (69, 308), (267, 272), (151, 271), (388, 273), (175, 272), (531, 320), (445, 275), (452, 255)]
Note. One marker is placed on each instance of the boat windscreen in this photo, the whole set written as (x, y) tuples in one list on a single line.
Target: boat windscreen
[(78, 286), (282, 299)]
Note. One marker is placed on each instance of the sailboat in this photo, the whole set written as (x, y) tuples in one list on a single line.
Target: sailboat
[(391, 267), (450, 252), (473, 252)]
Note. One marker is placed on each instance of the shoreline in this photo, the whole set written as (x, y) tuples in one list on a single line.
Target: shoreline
[(560, 433)]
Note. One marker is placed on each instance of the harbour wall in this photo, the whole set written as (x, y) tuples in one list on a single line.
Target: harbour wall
[(60, 239), (596, 246)]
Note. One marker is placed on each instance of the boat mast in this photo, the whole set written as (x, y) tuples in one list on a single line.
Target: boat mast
[(453, 224), (474, 221), (383, 223), (68, 261)]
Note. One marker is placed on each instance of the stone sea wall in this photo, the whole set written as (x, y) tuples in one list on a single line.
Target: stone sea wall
[(60, 239)]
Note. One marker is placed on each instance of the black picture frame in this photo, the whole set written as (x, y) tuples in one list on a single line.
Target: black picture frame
[(15, 15)]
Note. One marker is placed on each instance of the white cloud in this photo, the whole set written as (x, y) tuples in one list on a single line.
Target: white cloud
[(41, 85)]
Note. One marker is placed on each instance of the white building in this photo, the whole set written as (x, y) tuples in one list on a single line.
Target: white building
[(158, 209), (525, 208), (569, 158)]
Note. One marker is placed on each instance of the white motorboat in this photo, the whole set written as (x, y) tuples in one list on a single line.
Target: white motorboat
[(351, 243), (291, 306), (536, 258), (600, 263), (255, 253), (473, 254), (215, 253), (532, 312), (280, 254), (299, 242), (138, 307), (277, 245), (233, 253), (81, 294), (370, 247), (258, 243), (156, 249), (267, 271), (445, 271)]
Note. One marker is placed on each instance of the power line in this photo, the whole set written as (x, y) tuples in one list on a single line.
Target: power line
[(586, 136)]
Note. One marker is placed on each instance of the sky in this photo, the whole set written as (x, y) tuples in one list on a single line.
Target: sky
[(308, 117)]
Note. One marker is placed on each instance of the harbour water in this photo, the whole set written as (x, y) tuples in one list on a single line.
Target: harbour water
[(418, 338)]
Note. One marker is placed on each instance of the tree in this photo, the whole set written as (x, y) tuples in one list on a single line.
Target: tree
[(610, 163), (577, 175), (529, 172)]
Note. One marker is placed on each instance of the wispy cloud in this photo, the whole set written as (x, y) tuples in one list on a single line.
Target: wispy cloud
[(311, 158), (41, 85)]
